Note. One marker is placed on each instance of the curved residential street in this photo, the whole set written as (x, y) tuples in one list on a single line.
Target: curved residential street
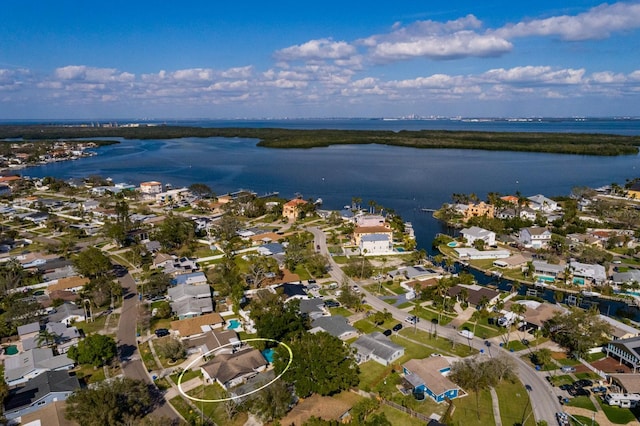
[(544, 401), (132, 365)]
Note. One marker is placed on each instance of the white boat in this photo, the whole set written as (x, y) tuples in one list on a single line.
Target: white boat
[(590, 293)]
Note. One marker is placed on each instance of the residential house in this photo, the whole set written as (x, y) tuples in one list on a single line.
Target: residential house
[(26, 365), (171, 196), (376, 244), (536, 313), (53, 414), (271, 249), (534, 237), (197, 326), (625, 350), (193, 278), (471, 253), (151, 188), (541, 203), (39, 392), (336, 325), (631, 276), (291, 291), (584, 273), (542, 269), (73, 284), (67, 313), (619, 330), (477, 210), (429, 377), (214, 341), (335, 410), (377, 347), (476, 233), (367, 220), (416, 272), (634, 191), (476, 295), (233, 369), (313, 308), (361, 231), (291, 209)]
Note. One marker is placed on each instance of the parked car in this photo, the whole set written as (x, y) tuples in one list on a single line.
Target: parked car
[(568, 369), (599, 389), (397, 327), (563, 419), (331, 304), (161, 332), (412, 319), (566, 386), (584, 383), (387, 332)]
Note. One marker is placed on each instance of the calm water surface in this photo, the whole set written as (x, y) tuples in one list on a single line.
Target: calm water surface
[(405, 179)]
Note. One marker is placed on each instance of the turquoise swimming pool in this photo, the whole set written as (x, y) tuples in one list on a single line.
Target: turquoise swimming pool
[(268, 355), (546, 279), (452, 244), (233, 324)]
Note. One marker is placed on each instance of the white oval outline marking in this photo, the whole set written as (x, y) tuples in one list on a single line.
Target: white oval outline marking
[(256, 339)]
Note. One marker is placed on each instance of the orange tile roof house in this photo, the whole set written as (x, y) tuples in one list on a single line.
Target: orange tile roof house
[(481, 209), (291, 209), (197, 326), (72, 284)]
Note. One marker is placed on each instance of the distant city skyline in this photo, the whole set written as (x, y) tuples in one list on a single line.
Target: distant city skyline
[(223, 60)]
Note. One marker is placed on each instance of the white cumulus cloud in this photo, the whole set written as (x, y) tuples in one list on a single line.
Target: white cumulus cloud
[(597, 23), (321, 49)]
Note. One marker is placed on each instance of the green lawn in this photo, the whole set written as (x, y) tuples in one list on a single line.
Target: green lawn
[(582, 402), (514, 404), (372, 374), (216, 410), (434, 344), (94, 326), (365, 326), (595, 357), (481, 330), (583, 421), (469, 413), (147, 357), (429, 315), (341, 311), (616, 415), (398, 418), (563, 379), (568, 361), (588, 375)]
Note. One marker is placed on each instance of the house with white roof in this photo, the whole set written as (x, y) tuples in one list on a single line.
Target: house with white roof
[(26, 365), (377, 347), (542, 203), (376, 244), (583, 272), (476, 233), (534, 237)]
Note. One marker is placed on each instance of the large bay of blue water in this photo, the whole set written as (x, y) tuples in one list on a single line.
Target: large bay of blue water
[(405, 179)]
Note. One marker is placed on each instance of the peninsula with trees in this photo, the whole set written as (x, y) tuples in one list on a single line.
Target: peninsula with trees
[(560, 143)]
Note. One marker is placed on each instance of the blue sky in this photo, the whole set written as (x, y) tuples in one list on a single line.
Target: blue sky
[(246, 59)]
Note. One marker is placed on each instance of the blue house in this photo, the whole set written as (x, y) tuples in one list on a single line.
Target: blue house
[(428, 377)]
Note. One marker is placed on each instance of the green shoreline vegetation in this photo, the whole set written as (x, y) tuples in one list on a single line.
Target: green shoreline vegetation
[(557, 143)]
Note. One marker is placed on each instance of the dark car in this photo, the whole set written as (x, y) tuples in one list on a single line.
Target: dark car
[(387, 332), (331, 304), (582, 392), (161, 332), (566, 386), (584, 383), (397, 327)]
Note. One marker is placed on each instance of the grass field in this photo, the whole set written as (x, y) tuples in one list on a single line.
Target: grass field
[(616, 415), (582, 402), (469, 413), (514, 404)]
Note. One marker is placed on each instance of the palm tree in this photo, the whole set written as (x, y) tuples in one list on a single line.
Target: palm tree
[(441, 290), (519, 309), (46, 337), (478, 314), (515, 286)]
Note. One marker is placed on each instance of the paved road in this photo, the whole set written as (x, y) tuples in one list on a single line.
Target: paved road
[(544, 401), (132, 365)]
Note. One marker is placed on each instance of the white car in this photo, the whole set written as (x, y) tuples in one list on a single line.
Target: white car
[(412, 319)]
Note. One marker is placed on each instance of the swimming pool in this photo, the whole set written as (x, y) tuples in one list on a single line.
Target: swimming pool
[(579, 281), (268, 355), (11, 350), (546, 278), (233, 324), (452, 244)]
